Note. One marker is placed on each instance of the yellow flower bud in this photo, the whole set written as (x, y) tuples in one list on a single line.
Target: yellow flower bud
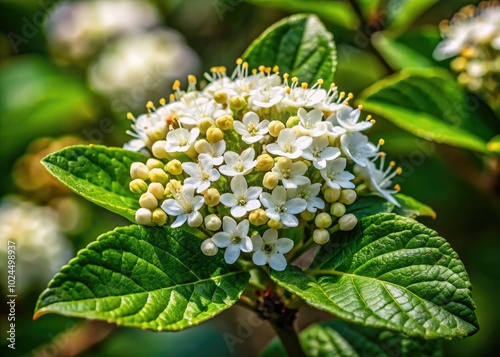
[(275, 128), (237, 103), (270, 180), (220, 97), (307, 216), (154, 164), (323, 220), (348, 222), (143, 216), (258, 217), (264, 162), (337, 209), (347, 197), (212, 197), (225, 122), (157, 190), (158, 149), (174, 167), (158, 175), (148, 200), (209, 248), (321, 236), (214, 135), (292, 121), (275, 224), (138, 186), (213, 222), (155, 133), (139, 171), (159, 217), (205, 123), (332, 194)]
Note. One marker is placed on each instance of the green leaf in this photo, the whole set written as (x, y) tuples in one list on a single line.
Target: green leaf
[(368, 205), (430, 104), (300, 45), (335, 12), (98, 173), (389, 272), (147, 277), (403, 12), (342, 339), (412, 208)]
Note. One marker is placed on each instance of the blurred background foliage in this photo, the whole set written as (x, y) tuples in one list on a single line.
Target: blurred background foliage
[(70, 71)]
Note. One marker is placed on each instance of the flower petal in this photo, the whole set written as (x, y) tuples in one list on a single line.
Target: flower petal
[(284, 245), (277, 262), (232, 253), (259, 258)]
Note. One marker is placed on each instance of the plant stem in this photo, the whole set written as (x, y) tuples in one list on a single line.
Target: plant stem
[(288, 336)]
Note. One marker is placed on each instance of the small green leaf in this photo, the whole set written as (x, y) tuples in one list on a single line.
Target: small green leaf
[(98, 173), (412, 208), (389, 272), (300, 45), (146, 277), (430, 104), (339, 338)]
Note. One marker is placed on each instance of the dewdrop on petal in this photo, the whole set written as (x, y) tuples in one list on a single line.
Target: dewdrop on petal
[(159, 217), (332, 194), (143, 216), (138, 186), (348, 197), (212, 197), (214, 135), (264, 163), (138, 170), (174, 167), (209, 248), (338, 209), (213, 222), (157, 190), (347, 222), (258, 217), (158, 175), (148, 200), (323, 220), (275, 128), (321, 236), (270, 180)]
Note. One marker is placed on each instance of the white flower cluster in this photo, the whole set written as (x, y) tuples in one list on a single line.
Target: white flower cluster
[(473, 37), (253, 154)]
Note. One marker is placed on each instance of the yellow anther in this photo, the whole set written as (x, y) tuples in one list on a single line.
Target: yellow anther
[(381, 154), (214, 69), (373, 121), (295, 79), (286, 75), (222, 69), (397, 187), (163, 101), (245, 65), (304, 85), (392, 163), (368, 117), (267, 70), (261, 68), (130, 116), (288, 90), (150, 105), (346, 103), (360, 107), (276, 69), (342, 94), (320, 82), (399, 170), (191, 78), (332, 86), (239, 61), (171, 97), (176, 85), (350, 95), (381, 142), (254, 71)]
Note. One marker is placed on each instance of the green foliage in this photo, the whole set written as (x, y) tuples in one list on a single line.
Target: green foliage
[(389, 272), (368, 205), (98, 173), (145, 277), (412, 208), (300, 45), (430, 104), (338, 338), (401, 13)]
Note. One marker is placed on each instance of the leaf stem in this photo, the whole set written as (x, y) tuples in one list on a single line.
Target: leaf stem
[(288, 336)]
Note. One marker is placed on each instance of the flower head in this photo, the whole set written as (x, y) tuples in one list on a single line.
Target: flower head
[(185, 205), (288, 145), (234, 238), (270, 250), (280, 208), (250, 129), (201, 174), (243, 199), (335, 176), (238, 164)]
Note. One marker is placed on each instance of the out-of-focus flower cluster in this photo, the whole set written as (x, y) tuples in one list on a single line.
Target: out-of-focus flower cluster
[(251, 158), (473, 37)]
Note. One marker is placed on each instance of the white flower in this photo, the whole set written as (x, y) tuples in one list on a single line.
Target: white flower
[(309, 193), (234, 238), (320, 152), (288, 145), (238, 164), (198, 108), (348, 119), (300, 97), (214, 150), (201, 174), (335, 176), (185, 205), (357, 147), (278, 208), (379, 180), (266, 96), (139, 132), (270, 250), (250, 129), (291, 174), (310, 124), (243, 199), (180, 140)]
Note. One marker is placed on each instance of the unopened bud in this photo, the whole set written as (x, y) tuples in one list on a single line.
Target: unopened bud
[(264, 162), (174, 167), (214, 135), (337, 209), (321, 236), (258, 217), (292, 121), (274, 224), (347, 222), (270, 180), (307, 216), (347, 197), (332, 194), (156, 133), (138, 186), (225, 122), (158, 175), (275, 128), (323, 220), (158, 149), (154, 164), (157, 190), (159, 217), (148, 200), (212, 197), (195, 219), (205, 123), (237, 103), (220, 97), (209, 248), (143, 216), (213, 222), (139, 171)]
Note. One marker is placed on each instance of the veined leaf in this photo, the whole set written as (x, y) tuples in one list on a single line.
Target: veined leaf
[(300, 45), (368, 205), (147, 277), (339, 338), (412, 208), (389, 272), (98, 173)]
